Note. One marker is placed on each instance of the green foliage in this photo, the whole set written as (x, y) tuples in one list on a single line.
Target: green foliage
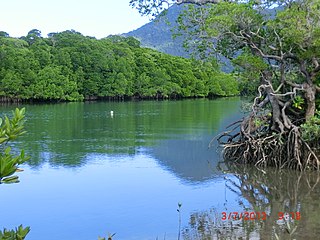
[(68, 66), (278, 37), (18, 234), (298, 102), (223, 84), (10, 129), (248, 68), (311, 129)]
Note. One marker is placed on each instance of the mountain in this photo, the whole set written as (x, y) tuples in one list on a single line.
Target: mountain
[(158, 34)]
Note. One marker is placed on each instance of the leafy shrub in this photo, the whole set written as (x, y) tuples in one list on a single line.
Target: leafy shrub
[(311, 129), (10, 129), (18, 234)]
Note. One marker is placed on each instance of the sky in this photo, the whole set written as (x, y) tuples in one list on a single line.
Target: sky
[(96, 18)]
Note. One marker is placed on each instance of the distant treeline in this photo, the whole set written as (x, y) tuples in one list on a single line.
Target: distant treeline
[(71, 67)]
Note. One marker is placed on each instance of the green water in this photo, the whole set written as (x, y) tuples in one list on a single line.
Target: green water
[(92, 173), (75, 129)]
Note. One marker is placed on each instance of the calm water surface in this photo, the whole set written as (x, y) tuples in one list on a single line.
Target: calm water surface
[(91, 174)]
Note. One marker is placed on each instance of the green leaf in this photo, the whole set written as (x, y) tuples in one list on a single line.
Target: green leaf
[(7, 151), (22, 232)]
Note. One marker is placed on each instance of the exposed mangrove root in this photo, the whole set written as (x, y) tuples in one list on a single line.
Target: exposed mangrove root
[(251, 141)]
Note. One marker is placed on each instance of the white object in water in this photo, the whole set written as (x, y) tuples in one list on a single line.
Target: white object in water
[(111, 113)]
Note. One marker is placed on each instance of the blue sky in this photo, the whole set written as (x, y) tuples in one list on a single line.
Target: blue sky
[(98, 18)]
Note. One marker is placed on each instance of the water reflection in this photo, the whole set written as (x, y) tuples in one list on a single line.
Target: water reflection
[(271, 191), (188, 158), (63, 134)]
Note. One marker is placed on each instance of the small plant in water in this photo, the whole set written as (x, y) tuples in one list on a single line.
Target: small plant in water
[(110, 236), (289, 229), (179, 211), (18, 234)]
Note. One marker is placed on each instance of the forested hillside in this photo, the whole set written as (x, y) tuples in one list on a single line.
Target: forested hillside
[(158, 34), (71, 67)]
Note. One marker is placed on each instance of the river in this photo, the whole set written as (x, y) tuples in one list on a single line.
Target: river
[(93, 173)]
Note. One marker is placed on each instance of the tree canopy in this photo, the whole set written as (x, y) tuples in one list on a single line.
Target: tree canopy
[(68, 66)]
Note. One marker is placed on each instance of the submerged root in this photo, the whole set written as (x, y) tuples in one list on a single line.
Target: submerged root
[(258, 145)]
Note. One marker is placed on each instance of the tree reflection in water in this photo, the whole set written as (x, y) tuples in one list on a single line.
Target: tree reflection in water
[(271, 191)]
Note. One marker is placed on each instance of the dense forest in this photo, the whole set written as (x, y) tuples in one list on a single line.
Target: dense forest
[(68, 66)]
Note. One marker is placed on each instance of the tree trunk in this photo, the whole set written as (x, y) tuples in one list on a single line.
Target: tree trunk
[(310, 96), (276, 110)]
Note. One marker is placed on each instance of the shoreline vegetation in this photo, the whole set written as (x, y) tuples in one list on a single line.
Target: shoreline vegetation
[(68, 66), (8, 100)]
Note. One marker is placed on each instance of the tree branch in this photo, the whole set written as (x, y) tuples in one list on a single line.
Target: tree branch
[(254, 46)]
